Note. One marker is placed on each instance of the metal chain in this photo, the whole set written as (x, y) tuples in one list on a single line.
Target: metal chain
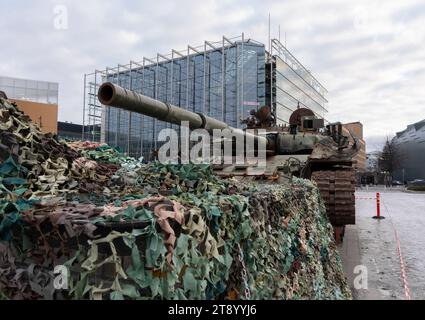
[(244, 273)]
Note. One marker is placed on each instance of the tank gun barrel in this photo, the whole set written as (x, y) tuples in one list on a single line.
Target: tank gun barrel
[(113, 95)]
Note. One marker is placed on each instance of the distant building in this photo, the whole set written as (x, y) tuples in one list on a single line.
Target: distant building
[(372, 161), (372, 176), (224, 80), (410, 146), (70, 131), (355, 129), (37, 99)]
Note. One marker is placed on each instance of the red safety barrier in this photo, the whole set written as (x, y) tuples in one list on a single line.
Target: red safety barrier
[(378, 207)]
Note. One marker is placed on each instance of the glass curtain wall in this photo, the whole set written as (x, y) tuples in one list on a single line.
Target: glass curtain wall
[(294, 86), (30, 90), (224, 82)]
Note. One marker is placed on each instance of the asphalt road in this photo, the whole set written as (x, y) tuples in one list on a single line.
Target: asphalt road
[(392, 251)]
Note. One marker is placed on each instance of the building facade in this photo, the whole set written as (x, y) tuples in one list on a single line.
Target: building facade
[(372, 161), (292, 85), (37, 99), (410, 153), (225, 80), (70, 131)]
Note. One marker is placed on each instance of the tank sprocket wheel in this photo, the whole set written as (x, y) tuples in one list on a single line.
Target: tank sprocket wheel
[(337, 189)]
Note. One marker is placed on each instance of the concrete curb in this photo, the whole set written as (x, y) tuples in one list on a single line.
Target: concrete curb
[(414, 192)]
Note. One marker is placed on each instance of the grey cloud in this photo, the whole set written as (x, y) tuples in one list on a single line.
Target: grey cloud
[(369, 54)]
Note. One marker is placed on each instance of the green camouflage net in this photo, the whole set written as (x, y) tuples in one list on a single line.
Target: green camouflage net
[(129, 230)]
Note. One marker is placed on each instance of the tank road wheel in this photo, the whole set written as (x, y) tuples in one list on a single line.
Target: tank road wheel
[(337, 189)]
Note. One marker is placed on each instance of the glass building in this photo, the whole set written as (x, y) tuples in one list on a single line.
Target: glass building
[(225, 80), (293, 86), (30, 90), (410, 153)]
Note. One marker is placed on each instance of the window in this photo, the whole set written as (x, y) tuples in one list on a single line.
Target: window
[(31, 90), (20, 94), (19, 83), (43, 85), (32, 94), (52, 97), (53, 86), (7, 82), (32, 84)]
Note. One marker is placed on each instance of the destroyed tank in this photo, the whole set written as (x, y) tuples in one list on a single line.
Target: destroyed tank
[(306, 148)]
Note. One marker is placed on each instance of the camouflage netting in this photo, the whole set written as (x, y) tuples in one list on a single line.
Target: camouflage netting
[(128, 230)]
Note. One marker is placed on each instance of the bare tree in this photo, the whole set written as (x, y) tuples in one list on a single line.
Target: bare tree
[(390, 159)]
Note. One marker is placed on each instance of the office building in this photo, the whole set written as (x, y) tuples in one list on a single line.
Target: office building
[(37, 99), (70, 131), (409, 157), (225, 80)]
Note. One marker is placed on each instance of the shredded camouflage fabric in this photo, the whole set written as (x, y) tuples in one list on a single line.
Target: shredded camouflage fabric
[(125, 229)]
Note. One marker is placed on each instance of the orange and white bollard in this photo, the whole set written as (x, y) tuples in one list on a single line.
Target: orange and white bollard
[(378, 207)]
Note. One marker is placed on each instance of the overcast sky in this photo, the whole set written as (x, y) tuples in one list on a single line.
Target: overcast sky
[(369, 54)]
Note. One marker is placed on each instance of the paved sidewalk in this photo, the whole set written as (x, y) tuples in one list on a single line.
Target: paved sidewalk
[(373, 244)]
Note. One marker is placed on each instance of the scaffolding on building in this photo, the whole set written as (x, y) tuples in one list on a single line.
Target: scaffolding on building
[(314, 92), (224, 79), (94, 112)]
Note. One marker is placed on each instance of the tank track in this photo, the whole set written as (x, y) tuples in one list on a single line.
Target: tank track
[(337, 188)]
